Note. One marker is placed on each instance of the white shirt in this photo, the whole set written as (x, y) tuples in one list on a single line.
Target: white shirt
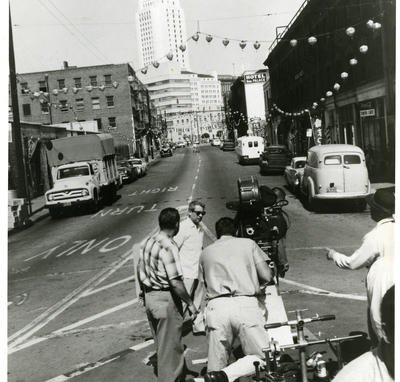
[(368, 367), (190, 243), (376, 251)]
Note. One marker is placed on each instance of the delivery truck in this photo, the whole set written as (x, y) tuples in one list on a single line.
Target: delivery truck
[(84, 172)]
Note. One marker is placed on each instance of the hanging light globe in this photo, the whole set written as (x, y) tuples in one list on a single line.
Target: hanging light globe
[(182, 47), (130, 79), (293, 42), (156, 64), (170, 56), (315, 104), (55, 92), (209, 38), (225, 41), (256, 45), (312, 40), (363, 49), (242, 44), (353, 61), (344, 75), (350, 31), (144, 70), (196, 36), (322, 99), (329, 93), (336, 86), (377, 26), (370, 24)]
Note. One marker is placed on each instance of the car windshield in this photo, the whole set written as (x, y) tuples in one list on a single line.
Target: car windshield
[(300, 164), (71, 172), (136, 161)]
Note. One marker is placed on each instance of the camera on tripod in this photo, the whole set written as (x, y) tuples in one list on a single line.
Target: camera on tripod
[(259, 217)]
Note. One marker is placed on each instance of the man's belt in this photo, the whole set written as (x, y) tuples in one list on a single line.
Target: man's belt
[(150, 289), (233, 295)]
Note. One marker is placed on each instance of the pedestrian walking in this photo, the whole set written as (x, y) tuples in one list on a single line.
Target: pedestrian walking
[(190, 243), (233, 271), (378, 244), (160, 276)]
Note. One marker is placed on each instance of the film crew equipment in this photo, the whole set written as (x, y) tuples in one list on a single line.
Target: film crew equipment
[(259, 217)]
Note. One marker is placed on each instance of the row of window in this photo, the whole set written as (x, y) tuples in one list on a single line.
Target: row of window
[(77, 82)]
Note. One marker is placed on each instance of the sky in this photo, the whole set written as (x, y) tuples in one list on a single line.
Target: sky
[(95, 32)]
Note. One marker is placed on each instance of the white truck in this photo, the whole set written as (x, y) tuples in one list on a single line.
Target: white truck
[(84, 172)]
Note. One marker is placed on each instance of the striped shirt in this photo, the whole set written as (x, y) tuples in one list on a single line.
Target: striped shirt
[(159, 261)]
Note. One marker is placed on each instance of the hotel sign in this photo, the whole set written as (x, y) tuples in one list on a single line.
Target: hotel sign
[(254, 78)]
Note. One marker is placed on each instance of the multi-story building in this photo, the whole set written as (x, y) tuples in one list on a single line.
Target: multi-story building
[(344, 77), (227, 80), (111, 95), (191, 103), (161, 29)]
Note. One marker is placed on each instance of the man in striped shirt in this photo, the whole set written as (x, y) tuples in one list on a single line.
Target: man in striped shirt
[(160, 276)]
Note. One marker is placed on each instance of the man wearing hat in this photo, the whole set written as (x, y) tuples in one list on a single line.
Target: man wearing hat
[(376, 252)]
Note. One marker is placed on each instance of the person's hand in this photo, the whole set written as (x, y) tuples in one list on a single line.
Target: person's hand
[(193, 311)]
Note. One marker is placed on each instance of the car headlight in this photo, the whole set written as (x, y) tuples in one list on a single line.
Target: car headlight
[(50, 197), (85, 192)]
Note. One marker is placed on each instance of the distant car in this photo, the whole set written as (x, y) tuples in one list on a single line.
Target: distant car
[(166, 151), (294, 172), (335, 171), (172, 145), (274, 159), (140, 164), (127, 172), (180, 144), (216, 142), (228, 145)]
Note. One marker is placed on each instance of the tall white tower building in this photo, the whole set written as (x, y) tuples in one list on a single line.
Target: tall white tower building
[(161, 28)]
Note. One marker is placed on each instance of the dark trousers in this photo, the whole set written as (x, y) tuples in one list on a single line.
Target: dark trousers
[(164, 313)]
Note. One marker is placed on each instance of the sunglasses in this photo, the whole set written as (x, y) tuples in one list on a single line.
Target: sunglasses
[(199, 213)]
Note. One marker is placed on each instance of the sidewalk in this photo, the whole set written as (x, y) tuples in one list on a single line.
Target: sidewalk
[(39, 211)]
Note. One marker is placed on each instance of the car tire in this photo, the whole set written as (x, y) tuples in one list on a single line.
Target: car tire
[(96, 202)]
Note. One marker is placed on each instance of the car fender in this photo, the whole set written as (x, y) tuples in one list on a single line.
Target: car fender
[(308, 184)]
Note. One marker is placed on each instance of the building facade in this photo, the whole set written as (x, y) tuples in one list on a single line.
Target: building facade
[(345, 78), (110, 95), (160, 29)]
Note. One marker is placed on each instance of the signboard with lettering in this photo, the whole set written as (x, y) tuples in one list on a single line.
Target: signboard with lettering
[(367, 113), (254, 78)]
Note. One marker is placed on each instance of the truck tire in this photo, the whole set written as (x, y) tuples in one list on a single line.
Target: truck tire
[(55, 212), (96, 203), (110, 194)]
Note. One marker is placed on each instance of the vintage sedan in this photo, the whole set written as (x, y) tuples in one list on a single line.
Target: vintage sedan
[(333, 172), (294, 172), (166, 151), (126, 171), (275, 158), (140, 164)]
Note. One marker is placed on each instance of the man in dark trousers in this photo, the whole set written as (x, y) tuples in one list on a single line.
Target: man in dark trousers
[(160, 276), (232, 270)]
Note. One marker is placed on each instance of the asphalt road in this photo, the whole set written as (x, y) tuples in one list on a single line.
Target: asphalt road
[(73, 312)]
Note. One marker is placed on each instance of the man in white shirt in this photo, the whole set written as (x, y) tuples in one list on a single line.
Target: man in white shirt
[(190, 243), (378, 244)]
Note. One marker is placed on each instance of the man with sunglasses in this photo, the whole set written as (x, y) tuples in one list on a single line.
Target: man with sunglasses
[(190, 243)]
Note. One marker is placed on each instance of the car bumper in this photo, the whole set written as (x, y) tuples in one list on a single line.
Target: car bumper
[(340, 195), (84, 200)]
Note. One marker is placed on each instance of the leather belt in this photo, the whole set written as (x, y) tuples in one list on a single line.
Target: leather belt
[(148, 289)]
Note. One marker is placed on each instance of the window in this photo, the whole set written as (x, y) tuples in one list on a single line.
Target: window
[(93, 80), (351, 159), (79, 104), (26, 108), (110, 101), (333, 159), (78, 82), (299, 164), (61, 84), (95, 103), (107, 79), (63, 105), (72, 172), (42, 86), (99, 124), (250, 144), (112, 121), (256, 144), (44, 107), (24, 87)]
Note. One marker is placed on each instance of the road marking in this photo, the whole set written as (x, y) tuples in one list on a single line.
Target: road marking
[(325, 292), (127, 279), (196, 177), (55, 310)]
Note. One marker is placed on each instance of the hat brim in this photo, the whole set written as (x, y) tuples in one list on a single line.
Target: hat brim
[(371, 202)]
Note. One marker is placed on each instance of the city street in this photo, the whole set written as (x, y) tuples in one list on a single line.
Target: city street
[(73, 309)]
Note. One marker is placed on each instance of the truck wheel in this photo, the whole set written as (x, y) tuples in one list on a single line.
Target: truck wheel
[(95, 204), (55, 212)]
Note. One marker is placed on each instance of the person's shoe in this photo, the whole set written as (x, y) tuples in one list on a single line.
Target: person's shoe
[(216, 376)]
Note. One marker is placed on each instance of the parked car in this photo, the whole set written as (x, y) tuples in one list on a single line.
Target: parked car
[(335, 172), (228, 145), (215, 142), (140, 164), (166, 151), (249, 149), (180, 144), (274, 159), (294, 172), (128, 173)]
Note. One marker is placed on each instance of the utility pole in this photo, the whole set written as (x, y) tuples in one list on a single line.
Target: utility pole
[(46, 77), (16, 126), (149, 141)]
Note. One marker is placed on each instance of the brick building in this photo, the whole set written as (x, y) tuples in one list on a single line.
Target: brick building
[(360, 108), (111, 95)]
